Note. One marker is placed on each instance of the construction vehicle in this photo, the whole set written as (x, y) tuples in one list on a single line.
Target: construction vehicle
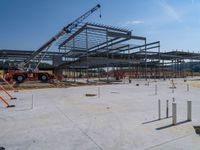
[(21, 74)]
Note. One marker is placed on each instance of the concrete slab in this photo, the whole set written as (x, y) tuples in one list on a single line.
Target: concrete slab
[(122, 117)]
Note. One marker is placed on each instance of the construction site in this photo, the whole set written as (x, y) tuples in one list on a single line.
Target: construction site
[(94, 86)]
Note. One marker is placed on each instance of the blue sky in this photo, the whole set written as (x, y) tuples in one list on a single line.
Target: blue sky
[(26, 24)]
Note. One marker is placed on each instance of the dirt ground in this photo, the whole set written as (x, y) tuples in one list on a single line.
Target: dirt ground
[(194, 83)]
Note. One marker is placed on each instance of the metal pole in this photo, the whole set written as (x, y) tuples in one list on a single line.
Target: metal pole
[(74, 73), (159, 58), (167, 109), (183, 68), (87, 54), (159, 110), (174, 114), (107, 60), (163, 73), (189, 110), (129, 72), (188, 87), (145, 60), (156, 87)]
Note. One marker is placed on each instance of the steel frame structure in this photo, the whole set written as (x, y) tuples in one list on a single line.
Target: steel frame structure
[(91, 45)]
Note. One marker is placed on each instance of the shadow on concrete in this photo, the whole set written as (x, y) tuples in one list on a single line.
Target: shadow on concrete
[(171, 125), (156, 120)]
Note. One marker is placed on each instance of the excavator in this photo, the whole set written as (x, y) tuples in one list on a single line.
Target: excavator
[(22, 74)]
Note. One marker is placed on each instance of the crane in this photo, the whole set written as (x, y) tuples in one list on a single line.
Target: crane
[(66, 29), (22, 74)]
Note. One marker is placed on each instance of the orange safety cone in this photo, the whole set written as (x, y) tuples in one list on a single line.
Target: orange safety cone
[(8, 84), (8, 105), (11, 97)]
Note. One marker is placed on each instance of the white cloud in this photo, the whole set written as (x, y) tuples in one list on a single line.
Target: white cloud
[(133, 22), (169, 10)]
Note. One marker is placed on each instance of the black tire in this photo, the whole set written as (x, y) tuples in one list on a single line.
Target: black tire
[(20, 78), (43, 78)]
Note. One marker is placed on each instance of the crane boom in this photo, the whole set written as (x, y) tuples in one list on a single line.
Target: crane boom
[(66, 29)]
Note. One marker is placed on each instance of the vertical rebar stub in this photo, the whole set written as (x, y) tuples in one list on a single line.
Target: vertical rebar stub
[(189, 110), (167, 109), (156, 89), (174, 114), (159, 110)]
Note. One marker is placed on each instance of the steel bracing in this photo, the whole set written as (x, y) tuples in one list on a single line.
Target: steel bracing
[(91, 45)]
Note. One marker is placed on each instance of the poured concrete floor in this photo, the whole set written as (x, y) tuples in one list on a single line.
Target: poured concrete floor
[(122, 117)]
